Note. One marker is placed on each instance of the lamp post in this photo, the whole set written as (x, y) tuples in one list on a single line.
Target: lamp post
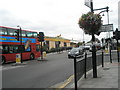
[(89, 3), (93, 50), (20, 38)]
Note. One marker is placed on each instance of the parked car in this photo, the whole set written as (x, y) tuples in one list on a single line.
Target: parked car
[(75, 52), (85, 47), (97, 47)]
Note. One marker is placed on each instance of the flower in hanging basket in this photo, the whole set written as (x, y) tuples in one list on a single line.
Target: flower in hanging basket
[(90, 23)]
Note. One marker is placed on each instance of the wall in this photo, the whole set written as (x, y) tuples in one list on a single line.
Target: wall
[(51, 44), (53, 40)]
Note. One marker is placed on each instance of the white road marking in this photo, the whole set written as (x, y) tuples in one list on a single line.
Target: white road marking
[(9, 67)]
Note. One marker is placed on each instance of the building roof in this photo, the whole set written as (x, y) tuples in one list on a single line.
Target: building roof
[(47, 38)]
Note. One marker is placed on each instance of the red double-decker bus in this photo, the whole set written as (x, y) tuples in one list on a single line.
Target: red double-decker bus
[(10, 46)]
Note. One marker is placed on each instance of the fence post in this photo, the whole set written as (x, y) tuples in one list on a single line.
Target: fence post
[(102, 58), (75, 73), (85, 64)]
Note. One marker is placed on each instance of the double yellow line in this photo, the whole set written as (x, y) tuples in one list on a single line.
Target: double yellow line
[(66, 82)]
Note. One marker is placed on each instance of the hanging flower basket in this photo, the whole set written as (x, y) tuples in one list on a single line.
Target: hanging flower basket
[(90, 23)]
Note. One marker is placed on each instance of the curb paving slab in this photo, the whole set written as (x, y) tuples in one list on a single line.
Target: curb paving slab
[(107, 78)]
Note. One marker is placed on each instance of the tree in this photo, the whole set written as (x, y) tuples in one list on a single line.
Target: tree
[(79, 43)]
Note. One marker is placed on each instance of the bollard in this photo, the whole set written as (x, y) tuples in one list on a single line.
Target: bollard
[(44, 54), (110, 55), (75, 73)]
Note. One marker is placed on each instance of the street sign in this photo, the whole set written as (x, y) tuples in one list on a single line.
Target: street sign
[(88, 3), (106, 28)]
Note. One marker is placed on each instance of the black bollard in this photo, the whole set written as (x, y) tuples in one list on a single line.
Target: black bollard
[(75, 73), (110, 55), (102, 58)]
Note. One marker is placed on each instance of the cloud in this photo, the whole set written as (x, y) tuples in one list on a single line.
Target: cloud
[(53, 17)]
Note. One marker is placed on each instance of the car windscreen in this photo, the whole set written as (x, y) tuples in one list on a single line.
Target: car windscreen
[(74, 50)]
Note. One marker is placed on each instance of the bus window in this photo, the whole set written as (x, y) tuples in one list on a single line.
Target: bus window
[(3, 31), (37, 48), (35, 34), (29, 34), (4, 49), (16, 49), (1, 48), (23, 48), (24, 33), (10, 49), (12, 32)]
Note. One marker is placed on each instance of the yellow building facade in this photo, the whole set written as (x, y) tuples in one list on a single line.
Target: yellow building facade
[(56, 42)]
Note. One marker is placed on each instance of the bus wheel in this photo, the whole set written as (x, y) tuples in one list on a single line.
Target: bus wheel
[(32, 56), (3, 60)]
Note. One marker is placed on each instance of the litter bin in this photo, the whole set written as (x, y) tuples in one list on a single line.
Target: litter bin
[(18, 59)]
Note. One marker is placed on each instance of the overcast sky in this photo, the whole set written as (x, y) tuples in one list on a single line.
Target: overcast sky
[(54, 17)]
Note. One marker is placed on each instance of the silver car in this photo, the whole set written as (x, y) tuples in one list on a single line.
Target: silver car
[(75, 52)]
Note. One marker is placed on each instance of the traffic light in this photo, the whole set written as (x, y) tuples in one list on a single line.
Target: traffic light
[(102, 40), (18, 35), (107, 8), (116, 34), (41, 36), (108, 40)]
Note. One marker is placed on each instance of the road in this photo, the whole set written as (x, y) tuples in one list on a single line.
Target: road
[(38, 74)]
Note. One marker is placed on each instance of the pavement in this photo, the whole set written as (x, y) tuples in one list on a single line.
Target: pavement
[(108, 78)]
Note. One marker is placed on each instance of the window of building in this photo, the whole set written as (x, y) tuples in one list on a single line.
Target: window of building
[(65, 44)]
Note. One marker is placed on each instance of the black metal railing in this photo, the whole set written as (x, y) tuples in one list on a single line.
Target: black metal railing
[(84, 63)]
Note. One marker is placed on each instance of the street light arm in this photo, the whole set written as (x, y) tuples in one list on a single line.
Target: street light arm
[(102, 9)]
